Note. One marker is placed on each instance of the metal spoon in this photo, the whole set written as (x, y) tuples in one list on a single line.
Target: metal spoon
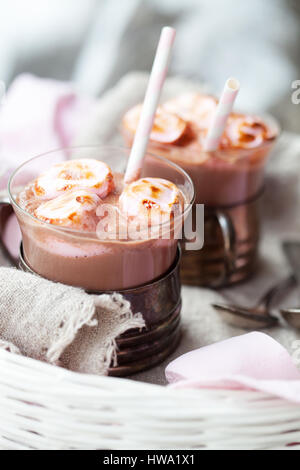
[(291, 250), (260, 315), (291, 316)]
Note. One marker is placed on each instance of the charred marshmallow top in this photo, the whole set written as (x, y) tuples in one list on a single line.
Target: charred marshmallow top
[(192, 107), (167, 127), (246, 131), (187, 118), (69, 193), (70, 209), (151, 197), (74, 174)]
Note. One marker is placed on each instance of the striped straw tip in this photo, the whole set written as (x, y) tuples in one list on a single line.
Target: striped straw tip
[(167, 37), (169, 30), (233, 84)]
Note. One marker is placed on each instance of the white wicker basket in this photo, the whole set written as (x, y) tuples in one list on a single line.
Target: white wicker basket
[(46, 407)]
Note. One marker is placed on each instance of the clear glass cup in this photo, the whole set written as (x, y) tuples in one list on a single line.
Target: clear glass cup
[(230, 184), (223, 177), (86, 259)]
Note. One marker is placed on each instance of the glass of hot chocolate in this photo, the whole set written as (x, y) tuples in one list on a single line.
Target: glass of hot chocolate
[(80, 228), (228, 181)]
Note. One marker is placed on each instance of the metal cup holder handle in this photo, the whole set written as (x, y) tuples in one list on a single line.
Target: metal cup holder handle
[(229, 238), (5, 210)]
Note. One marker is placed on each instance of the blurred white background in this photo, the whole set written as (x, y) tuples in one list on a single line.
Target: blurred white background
[(95, 42)]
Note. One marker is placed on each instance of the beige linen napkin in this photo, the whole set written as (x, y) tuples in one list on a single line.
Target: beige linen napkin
[(60, 324), (280, 221)]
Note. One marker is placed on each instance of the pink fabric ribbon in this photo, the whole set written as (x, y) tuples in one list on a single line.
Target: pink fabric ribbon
[(253, 361)]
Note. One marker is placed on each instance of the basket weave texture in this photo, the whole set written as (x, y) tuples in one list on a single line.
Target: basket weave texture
[(47, 407)]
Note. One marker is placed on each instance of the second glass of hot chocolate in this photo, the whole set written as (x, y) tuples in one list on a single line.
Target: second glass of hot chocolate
[(228, 181)]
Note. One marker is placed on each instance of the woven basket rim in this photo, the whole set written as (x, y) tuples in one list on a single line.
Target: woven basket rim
[(48, 407), (123, 386)]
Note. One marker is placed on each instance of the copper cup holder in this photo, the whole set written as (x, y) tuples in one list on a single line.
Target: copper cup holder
[(160, 304), (229, 254)]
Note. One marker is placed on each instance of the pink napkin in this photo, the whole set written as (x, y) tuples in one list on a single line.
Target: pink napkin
[(37, 115), (251, 361)]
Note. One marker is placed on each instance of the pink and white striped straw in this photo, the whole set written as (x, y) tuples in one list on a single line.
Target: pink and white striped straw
[(155, 84), (223, 110)]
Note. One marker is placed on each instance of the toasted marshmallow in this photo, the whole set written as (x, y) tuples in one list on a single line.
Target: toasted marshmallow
[(246, 131), (73, 209), (86, 173), (154, 198), (167, 127), (193, 107)]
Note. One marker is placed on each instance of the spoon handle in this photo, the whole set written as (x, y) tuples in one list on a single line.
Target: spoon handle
[(267, 298)]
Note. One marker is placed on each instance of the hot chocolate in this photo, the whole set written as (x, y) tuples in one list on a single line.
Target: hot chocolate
[(228, 181), (82, 226), (229, 175)]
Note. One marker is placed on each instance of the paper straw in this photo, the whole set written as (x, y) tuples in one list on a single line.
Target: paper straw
[(155, 84), (223, 110)]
